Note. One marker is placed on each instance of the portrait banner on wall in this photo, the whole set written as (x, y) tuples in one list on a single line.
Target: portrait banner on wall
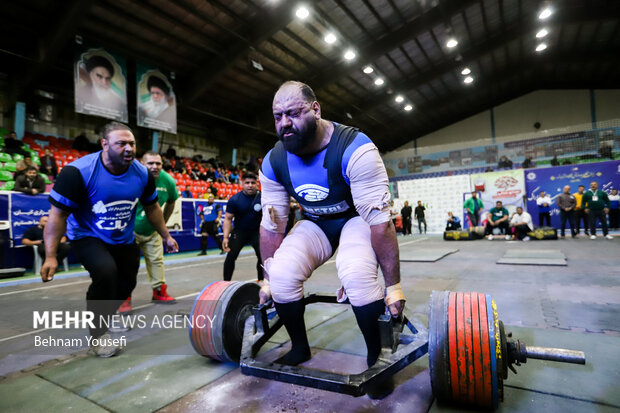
[(100, 81), (157, 108), (552, 181)]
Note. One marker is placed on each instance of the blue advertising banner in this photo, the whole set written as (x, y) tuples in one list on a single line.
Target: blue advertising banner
[(553, 180), (26, 211)]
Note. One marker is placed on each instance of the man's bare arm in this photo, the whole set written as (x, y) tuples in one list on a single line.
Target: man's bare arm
[(168, 210), (156, 218), (52, 234)]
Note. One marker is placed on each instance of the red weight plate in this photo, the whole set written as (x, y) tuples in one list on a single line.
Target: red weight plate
[(478, 374), (487, 371), (461, 350), (469, 350), (453, 345)]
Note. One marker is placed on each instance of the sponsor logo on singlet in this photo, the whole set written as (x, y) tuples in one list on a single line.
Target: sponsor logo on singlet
[(312, 192), (115, 215), (326, 210)]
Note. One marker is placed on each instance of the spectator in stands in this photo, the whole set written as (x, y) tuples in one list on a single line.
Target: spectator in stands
[(454, 223), (527, 163), (34, 236), (473, 206), (30, 182), (566, 203), (544, 207), (596, 203), (48, 164), (419, 216), (12, 145), (171, 153), (81, 143), (187, 193), (405, 213), (504, 163), (567, 161), (22, 165), (580, 212), (554, 161), (234, 176), (521, 223), (614, 209), (497, 218), (95, 86), (605, 151)]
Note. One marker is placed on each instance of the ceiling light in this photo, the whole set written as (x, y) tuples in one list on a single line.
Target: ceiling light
[(468, 80), (451, 43), (545, 14), (368, 70), (379, 81), (466, 71), (541, 47), (408, 108), (349, 55), (302, 13), (399, 99), (541, 33), (330, 38)]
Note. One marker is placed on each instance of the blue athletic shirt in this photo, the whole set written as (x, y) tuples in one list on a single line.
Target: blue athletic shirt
[(209, 211), (308, 176), (102, 205)]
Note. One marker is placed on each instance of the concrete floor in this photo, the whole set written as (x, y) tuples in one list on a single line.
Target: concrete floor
[(575, 306)]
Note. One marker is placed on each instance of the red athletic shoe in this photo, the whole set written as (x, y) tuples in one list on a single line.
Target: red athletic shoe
[(125, 307), (160, 295)]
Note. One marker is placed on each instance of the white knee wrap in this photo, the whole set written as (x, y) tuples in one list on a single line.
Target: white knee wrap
[(301, 252), (357, 264)]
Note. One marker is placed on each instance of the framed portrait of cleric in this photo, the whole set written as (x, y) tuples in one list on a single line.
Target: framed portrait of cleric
[(157, 106), (100, 80)]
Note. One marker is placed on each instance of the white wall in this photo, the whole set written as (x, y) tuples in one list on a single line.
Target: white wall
[(567, 110), (607, 104), (552, 108)]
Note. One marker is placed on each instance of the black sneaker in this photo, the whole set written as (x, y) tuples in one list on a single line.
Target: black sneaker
[(202, 253)]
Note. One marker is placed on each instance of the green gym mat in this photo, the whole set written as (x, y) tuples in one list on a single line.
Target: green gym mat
[(425, 254)]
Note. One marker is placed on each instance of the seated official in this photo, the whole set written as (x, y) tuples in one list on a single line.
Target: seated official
[(521, 223), (30, 182), (453, 223), (34, 236), (497, 218)]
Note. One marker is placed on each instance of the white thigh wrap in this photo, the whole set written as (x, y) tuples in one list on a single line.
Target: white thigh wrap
[(301, 252), (357, 264)]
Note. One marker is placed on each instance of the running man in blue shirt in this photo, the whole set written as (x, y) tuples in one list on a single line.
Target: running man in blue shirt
[(336, 174), (94, 201)]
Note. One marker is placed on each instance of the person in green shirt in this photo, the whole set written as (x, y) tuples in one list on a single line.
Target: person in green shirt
[(473, 206), (147, 238), (596, 204), (497, 218)]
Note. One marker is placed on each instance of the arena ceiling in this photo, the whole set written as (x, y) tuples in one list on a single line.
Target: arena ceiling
[(211, 46)]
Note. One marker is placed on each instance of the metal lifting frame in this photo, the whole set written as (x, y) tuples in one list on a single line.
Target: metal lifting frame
[(398, 350)]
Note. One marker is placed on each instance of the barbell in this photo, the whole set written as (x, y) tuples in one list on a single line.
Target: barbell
[(469, 352)]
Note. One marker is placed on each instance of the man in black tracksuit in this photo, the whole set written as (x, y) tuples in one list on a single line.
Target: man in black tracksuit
[(245, 208), (405, 213)]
